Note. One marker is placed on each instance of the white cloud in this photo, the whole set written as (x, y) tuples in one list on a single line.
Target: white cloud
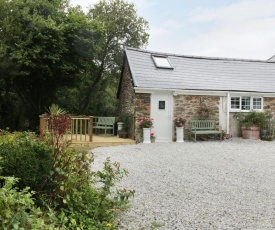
[(242, 11), (85, 4), (242, 30), (143, 3), (158, 32), (172, 24)]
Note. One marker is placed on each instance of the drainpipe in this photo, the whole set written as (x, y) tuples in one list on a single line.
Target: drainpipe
[(227, 113)]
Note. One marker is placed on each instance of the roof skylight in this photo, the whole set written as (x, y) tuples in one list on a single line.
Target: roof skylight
[(162, 62)]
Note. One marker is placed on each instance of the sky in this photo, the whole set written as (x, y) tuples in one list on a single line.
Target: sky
[(213, 28)]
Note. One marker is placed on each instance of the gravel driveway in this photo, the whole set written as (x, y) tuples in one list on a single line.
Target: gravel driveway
[(203, 185)]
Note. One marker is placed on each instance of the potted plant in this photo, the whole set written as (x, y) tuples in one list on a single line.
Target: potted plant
[(122, 133), (266, 128), (251, 123), (124, 122), (223, 135), (179, 123), (153, 137), (146, 123)]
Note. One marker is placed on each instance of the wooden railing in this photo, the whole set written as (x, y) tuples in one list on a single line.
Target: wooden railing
[(81, 128)]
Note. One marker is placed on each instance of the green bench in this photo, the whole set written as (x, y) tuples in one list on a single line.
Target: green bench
[(203, 127), (105, 123)]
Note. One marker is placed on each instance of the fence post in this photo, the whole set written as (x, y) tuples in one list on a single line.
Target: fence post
[(42, 126), (91, 129)]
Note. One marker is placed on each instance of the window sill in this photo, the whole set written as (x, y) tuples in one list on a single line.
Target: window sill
[(245, 111)]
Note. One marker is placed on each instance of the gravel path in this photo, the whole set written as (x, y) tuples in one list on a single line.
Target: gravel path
[(203, 185)]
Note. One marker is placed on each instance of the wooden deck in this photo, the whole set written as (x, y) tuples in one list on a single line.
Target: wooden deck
[(87, 139), (100, 141)]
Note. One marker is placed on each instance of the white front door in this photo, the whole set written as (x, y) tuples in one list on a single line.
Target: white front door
[(161, 111)]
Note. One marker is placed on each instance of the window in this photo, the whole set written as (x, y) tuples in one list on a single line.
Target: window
[(235, 102), (161, 104), (257, 103), (162, 62), (246, 103)]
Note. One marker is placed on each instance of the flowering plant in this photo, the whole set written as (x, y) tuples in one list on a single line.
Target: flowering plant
[(205, 112), (145, 122), (226, 135), (179, 121), (152, 136)]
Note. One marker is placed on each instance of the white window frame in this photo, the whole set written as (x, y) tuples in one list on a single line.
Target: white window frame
[(251, 103)]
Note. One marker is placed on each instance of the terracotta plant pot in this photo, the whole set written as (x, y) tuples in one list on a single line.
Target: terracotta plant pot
[(252, 132)]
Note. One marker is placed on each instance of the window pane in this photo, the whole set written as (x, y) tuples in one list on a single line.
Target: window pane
[(245, 103), (235, 103), (162, 62), (257, 103)]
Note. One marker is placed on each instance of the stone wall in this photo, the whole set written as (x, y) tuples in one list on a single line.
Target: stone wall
[(187, 106), (138, 104), (269, 104), (127, 95), (142, 109)]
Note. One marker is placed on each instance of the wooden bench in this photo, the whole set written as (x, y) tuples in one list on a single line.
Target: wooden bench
[(202, 127), (106, 123)]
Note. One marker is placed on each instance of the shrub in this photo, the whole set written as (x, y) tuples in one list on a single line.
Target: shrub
[(25, 158), (18, 210), (84, 199), (80, 198), (205, 112), (145, 122), (179, 121), (252, 118)]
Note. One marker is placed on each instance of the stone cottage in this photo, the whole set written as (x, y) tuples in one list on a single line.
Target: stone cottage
[(162, 86)]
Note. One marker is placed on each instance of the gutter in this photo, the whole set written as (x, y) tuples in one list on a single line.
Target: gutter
[(227, 113), (203, 92), (180, 92)]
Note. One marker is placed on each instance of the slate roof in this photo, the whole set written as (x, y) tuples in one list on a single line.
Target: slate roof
[(201, 73)]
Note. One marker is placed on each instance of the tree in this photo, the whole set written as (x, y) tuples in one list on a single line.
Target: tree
[(53, 53), (122, 27), (45, 46)]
